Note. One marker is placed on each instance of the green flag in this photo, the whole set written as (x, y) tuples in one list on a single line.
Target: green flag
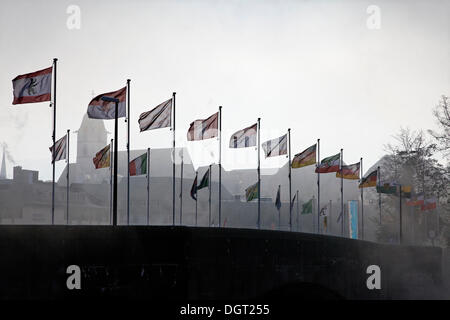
[(388, 188), (205, 181), (307, 207), (251, 192)]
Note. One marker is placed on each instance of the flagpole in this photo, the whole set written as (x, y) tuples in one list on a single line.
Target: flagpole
[(400, 222), (298, 221), (279, 213), (111, 180), (312, 214), (259, 174), (209, 199), (148, 186), (290, 182), (318, 184), (173, 162), (196, 198), (379, 194), (181, 190), (68, 165), (55, 60), (342, 191), (362, 199), (331, 220), (128, 152), (220, 165)]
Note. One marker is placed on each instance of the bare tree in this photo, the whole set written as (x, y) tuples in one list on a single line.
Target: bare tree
[(442, 114)]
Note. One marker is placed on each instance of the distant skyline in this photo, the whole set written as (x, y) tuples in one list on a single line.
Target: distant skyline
[(312, 66)]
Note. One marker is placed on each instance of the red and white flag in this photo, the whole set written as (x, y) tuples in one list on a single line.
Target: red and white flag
[(33, 87), (60, 149), (99, 109), (204, 128)]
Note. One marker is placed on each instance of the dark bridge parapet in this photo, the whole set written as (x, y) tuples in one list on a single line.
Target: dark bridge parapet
[(162, 262)]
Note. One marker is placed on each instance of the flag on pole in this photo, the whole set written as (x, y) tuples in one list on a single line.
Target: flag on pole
[(204, 128), (305, 158), (275, 147), (33, 87), (307, 207), (244, 138), (60, 149), (350, 172), (99, 109), (194, 189), (293, 200), (329, 164), (406, 191), (370, 180), (138, 166), (429, 204), (418, 200), (278, 199), (205, 181), (251, 192), (102, 158), (388, 188), (159, 117)]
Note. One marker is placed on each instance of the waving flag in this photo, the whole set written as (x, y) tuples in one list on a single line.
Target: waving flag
[(159, 117), (205, 181), (418, 200), (275, 147), (138, 166), (244, 138), (251, 192), (330, 164), (369, 181), (102, 158), (350, 172), (194, 189), (429, 204), (278, 199), (307, 207), (60, 149), (305, 158), (99, 109), (388, 188), (293, 201), (204, 128), (33, 87)]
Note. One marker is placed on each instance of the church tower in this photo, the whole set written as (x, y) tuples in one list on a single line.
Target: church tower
[(92, 137), (3, 169)]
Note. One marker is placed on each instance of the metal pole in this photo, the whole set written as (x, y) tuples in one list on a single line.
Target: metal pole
[(209, 199), (68, 175), (290, 182), (331, 218), (341, 163), (279, 213), (116, 132), (362, 199), (148, 186), (379, 194), (173, 162), (111, 181), (259, 174), (196, 198), (220, 165), (55, 60), (400, 222), (318, 185), (128, 152), (298, 221), (181, 190)]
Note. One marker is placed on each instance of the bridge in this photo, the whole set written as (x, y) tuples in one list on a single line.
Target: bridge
[(191, 263)]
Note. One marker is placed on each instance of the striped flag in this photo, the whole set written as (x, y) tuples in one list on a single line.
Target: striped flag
[(159, 117), (251, 192), (99, 109), (370, 180), (60, 149), (429, 204), (205, 181), (33, 87), (305, 158), (138, 166), (204, 128), (102, 158), (244, 138), (329, 164), (350, 172), (275, 147), (418, 200)]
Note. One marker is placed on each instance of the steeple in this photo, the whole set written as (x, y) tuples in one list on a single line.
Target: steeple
[(3, 169), (92, 137)]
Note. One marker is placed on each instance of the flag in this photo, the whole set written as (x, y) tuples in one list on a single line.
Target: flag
[(138, 166), (275, 147), (204, 128), (323, 211), (159, 117), (429, 204), (244, 138), (388, 188), (370, 180), (307, 207), (205, 181), (305, 158), (99, 109), (60, 149), (33, 87), (194, 189), (418, 200), (330, 164), (350, 172), (278, 200), (251, 192), (293, 201), (102, 158)]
